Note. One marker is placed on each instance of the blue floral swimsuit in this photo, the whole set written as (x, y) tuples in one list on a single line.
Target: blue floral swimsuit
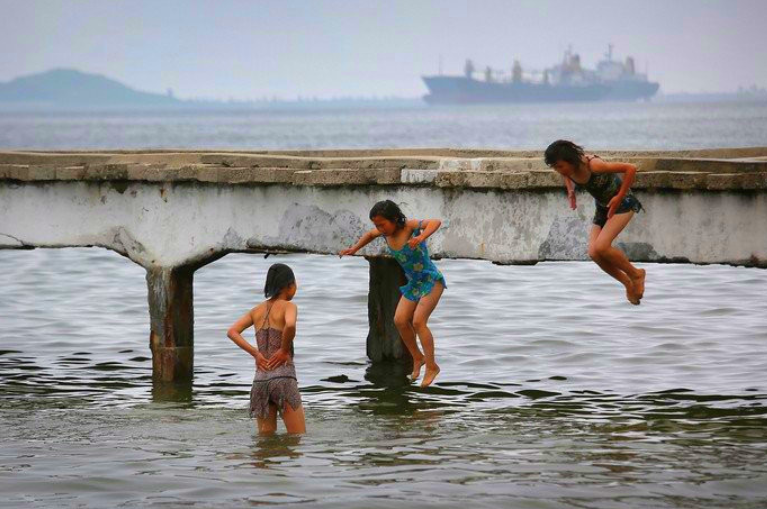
[(421, 272)]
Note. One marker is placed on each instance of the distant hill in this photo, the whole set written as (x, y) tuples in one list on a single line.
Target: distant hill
[(72, 89), (69, 87)]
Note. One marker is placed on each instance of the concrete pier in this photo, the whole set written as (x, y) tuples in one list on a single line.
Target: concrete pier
[(171, 310), (175, 211), (383, 342)]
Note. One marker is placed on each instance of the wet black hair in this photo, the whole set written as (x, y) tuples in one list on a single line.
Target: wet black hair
[(279, 277), (563, 150), (389, 210)]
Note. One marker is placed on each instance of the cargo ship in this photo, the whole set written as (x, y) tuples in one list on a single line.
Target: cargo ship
[(612, 80)]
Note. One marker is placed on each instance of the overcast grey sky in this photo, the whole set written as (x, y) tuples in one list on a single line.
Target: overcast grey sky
[(326, 48)]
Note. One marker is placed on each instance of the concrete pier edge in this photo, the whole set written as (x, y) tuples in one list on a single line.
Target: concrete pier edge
[(173, 211)]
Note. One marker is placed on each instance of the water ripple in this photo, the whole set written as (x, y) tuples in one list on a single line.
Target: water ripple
[(581, 403)]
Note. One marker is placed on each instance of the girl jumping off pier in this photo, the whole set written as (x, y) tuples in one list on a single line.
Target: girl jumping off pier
[(275, 387), (615, 206), (406, 241)]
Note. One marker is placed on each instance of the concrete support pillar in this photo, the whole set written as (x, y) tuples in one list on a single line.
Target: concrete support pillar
[(384, 342), (171, 314)]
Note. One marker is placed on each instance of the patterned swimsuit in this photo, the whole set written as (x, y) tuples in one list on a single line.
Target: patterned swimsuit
[(421, 272), (278, 386), (603, 187)]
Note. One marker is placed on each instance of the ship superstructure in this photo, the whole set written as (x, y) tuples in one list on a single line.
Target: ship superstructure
[(567, 81)]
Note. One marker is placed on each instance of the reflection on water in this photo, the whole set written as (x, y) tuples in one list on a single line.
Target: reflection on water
[(178, 392), (554, 393), (269, 451)]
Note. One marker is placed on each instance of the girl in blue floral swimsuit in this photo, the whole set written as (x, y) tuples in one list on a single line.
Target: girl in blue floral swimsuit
[(405, 239)]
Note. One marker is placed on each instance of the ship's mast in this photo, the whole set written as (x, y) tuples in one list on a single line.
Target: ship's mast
[(610, 52)]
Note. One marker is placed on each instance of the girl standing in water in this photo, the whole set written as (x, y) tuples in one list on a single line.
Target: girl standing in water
[(615, 206), (406, 241), (275, 387)]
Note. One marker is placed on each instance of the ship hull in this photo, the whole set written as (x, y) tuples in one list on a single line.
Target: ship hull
[(462, 90), (632, 90)]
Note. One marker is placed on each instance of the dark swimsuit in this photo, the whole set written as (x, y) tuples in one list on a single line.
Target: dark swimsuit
[(278, 386), (603, 187)]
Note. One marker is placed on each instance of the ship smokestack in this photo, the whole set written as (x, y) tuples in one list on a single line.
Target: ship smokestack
[(468, 69), (629, 66), (575, 62), (516, 72), (488, 74)]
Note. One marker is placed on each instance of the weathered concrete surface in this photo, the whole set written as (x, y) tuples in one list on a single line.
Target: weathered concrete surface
[(173, 211), (175, 224)]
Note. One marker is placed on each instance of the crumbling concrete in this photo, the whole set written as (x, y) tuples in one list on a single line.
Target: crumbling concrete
[(174, 211)]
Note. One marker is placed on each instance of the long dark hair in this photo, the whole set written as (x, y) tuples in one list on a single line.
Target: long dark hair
[(563, 150), (389, 210), (279, 277)]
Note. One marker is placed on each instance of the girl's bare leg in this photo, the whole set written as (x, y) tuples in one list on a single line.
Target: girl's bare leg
[(608, 267), (422, 313), (295, 421), (268, 425), (612, 229), (403, 319), (615, 256)]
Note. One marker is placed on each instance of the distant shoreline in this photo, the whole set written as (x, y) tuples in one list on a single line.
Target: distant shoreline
[(62, 90), (330, 105), (202, 106), (759, 95)]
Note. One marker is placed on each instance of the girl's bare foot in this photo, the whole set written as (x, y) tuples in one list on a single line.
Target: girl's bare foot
[(638, 283), (631, 294), (417, 364), (430, 375)]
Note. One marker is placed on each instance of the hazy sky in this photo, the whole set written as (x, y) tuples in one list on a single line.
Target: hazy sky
[(326, 48)]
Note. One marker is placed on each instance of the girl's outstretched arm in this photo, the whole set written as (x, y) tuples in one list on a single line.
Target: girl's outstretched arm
[(366, 238), (282, 355), (428, 226), (629, 171), (570, 192), (235, 334)]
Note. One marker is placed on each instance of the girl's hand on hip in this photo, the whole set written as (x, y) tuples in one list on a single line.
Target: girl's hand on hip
[(613, 206), (261, 362), (279, 358)]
